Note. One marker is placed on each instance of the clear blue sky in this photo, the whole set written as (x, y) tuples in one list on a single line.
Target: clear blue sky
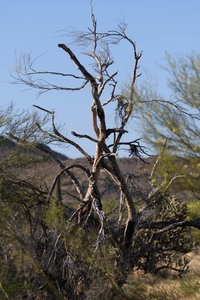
[(156, 26)]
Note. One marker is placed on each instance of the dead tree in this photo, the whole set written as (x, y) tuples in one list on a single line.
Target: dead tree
[(105, 155)]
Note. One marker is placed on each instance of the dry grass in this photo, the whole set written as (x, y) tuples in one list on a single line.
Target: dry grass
[(171, 287)]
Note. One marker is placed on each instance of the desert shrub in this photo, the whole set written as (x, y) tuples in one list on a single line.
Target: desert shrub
[(161, 250)]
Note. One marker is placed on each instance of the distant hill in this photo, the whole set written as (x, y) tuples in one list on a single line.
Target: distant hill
[(49, 170), (7, 145)]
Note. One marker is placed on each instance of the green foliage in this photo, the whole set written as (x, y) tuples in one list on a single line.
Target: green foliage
[(180, 128), (55, 218), (194, 211), (110, 206)]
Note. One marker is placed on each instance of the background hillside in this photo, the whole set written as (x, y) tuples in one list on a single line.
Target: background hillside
[(47, 170)]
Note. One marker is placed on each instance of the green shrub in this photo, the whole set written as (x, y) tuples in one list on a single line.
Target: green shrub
[(194, 212)]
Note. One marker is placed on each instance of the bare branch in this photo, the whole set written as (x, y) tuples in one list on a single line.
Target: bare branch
[(66, 140), (94, 119), (102, 218), (81, 68), (44, 86), (113, 97), (52, 73), (135, 149), (50, 112), (114, 130), (73, 178), (158, 159), (106, 81), (84, 136), (60, 137)]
